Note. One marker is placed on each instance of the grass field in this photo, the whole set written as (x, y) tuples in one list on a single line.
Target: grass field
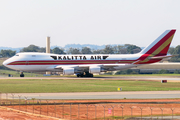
[(50, 86), (28, 74), (2, 60), (17, 74)]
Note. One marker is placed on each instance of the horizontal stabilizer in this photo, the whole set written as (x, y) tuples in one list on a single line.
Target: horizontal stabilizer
[(161, 57)]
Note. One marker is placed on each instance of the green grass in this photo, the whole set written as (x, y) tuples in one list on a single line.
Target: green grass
[(28, 74), (52, 86), (2, 60), (17, 74)]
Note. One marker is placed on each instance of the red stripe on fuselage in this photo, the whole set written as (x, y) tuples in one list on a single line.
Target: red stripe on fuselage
[(78, 62), (70, 62)]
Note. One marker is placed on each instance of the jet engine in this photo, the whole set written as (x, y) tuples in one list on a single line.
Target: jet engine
[(68, 71), (94, 69)]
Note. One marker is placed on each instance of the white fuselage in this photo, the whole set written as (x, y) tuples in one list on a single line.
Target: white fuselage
[(46, 62)]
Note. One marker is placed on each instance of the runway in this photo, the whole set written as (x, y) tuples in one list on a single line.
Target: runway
[(98, 95)]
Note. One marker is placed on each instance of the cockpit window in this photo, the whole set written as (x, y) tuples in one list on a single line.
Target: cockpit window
[(17, 55)]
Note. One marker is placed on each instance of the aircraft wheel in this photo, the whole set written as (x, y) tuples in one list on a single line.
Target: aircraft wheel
[(82, 75), (88, 74), (21, 75), (91, 75)]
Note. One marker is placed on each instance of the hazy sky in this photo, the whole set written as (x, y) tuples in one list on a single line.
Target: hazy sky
[(139, 22)]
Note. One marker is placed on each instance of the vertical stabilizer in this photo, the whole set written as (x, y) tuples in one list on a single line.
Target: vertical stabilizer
[(161, 45)]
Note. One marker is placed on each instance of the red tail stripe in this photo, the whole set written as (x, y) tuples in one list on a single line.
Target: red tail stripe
[(144, 56), (164, 51), (166, 37)]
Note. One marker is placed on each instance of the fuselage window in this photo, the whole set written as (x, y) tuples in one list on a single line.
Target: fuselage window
[(33, 55)]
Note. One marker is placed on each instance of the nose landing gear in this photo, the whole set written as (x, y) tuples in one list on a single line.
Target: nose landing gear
[(21, 75)]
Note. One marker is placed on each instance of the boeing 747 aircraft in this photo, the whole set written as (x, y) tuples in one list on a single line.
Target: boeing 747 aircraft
[(84, 65)]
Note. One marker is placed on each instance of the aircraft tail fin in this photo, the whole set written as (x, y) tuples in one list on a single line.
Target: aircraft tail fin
[(161, 45)]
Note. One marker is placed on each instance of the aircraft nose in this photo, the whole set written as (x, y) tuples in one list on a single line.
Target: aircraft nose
[(5, 63)]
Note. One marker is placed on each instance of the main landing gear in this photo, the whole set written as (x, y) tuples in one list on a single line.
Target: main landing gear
[(21, 75), (85, 74)]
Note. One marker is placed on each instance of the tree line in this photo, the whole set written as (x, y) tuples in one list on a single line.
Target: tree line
[(175, 51), (108, 49), (119, 49)]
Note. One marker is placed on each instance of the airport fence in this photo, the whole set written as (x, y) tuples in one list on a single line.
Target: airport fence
[(70, 110)]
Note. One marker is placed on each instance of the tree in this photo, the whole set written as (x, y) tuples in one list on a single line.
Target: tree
[(175, 51), (171, 50), (30, 48), (57, 50), (86, 50), (119, 49), (34, 48), (163, 71), (176, 71), (133, 49), (99, 51), (123, 51), (42, 49), (7, 53), (73, 51), (136, 50), (108, 49)]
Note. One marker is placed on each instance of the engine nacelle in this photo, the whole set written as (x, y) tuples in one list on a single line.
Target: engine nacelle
[(68, 71), (94, 70)]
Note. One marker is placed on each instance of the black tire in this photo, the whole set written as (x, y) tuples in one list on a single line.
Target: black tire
[(21, 75), (88, 74), (91, 75)]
